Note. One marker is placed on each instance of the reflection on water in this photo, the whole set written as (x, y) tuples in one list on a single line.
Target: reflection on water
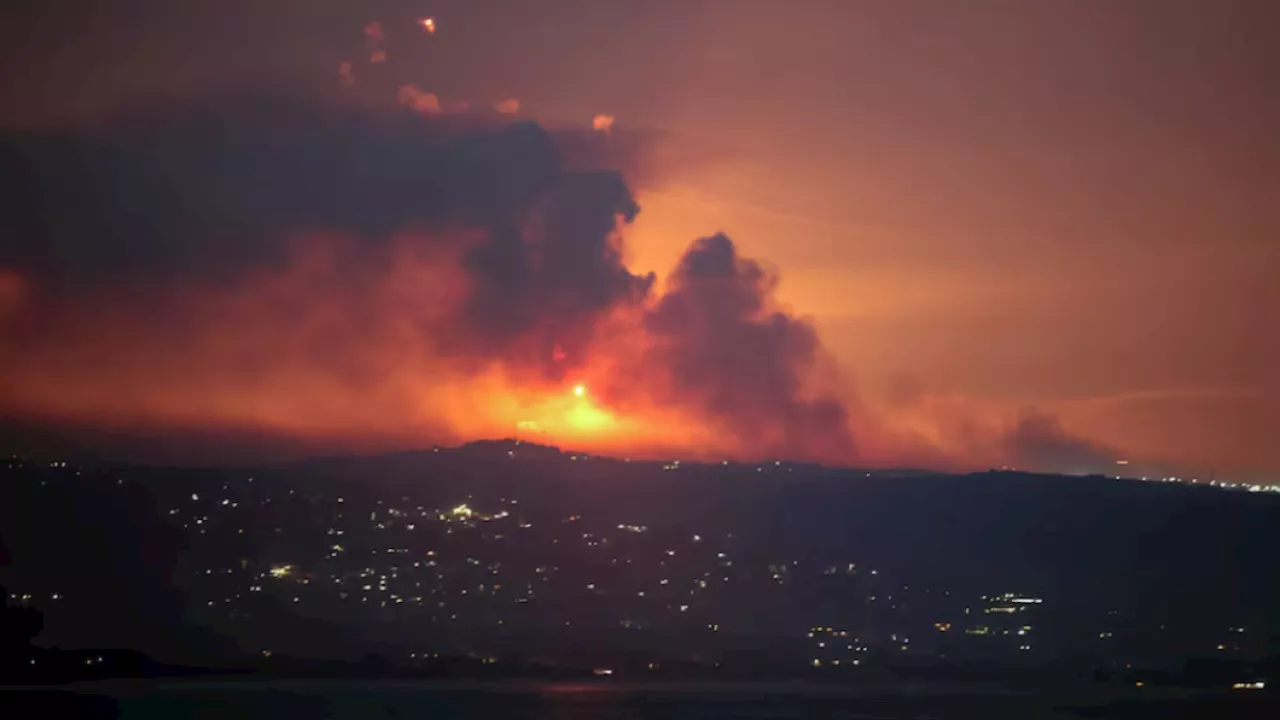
[(248, 700)]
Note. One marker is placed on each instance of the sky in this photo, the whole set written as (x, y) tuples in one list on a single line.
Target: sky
[(998, 232)]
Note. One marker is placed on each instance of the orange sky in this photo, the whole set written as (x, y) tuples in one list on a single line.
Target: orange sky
[(984, 207)]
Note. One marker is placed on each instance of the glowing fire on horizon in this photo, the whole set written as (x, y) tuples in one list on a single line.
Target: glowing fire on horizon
[(576, 417)]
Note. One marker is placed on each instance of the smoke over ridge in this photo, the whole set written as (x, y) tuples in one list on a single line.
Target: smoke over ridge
[(316, 267)]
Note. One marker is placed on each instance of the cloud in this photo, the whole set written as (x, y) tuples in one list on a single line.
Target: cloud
[(602, 122), (960, 431), (423, 102), (354, 275), (1039, 441), (724, 349), (345, 75), (209, 193), (510, 106), (299, 266)]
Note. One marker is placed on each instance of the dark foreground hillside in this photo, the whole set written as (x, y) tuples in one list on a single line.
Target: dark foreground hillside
[(510, 559)]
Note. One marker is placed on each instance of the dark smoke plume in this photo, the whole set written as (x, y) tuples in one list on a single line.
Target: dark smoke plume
[(109, 226), (206, 191), (723, 349), (1040, 441)]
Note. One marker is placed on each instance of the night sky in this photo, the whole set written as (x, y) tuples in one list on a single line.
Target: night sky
[(955, 234)]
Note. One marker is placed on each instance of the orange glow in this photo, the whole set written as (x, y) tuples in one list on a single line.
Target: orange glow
[(953, 227), (345, 74), (354, 369), (12, 292), (312, 350), (423, 102), (315, 351)]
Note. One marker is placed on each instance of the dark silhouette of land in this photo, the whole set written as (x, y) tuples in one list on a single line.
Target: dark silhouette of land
[(505, 560)]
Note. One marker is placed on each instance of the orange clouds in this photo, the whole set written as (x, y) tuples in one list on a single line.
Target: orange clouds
[(328, 345), (345, 74), (393, 280), (370, 279), (423, 102)]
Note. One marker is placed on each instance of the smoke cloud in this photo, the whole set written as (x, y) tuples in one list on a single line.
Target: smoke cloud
[(310, 268), (346, 75), (722, 349), (1040, 441), (419, 100), (337, 274)]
